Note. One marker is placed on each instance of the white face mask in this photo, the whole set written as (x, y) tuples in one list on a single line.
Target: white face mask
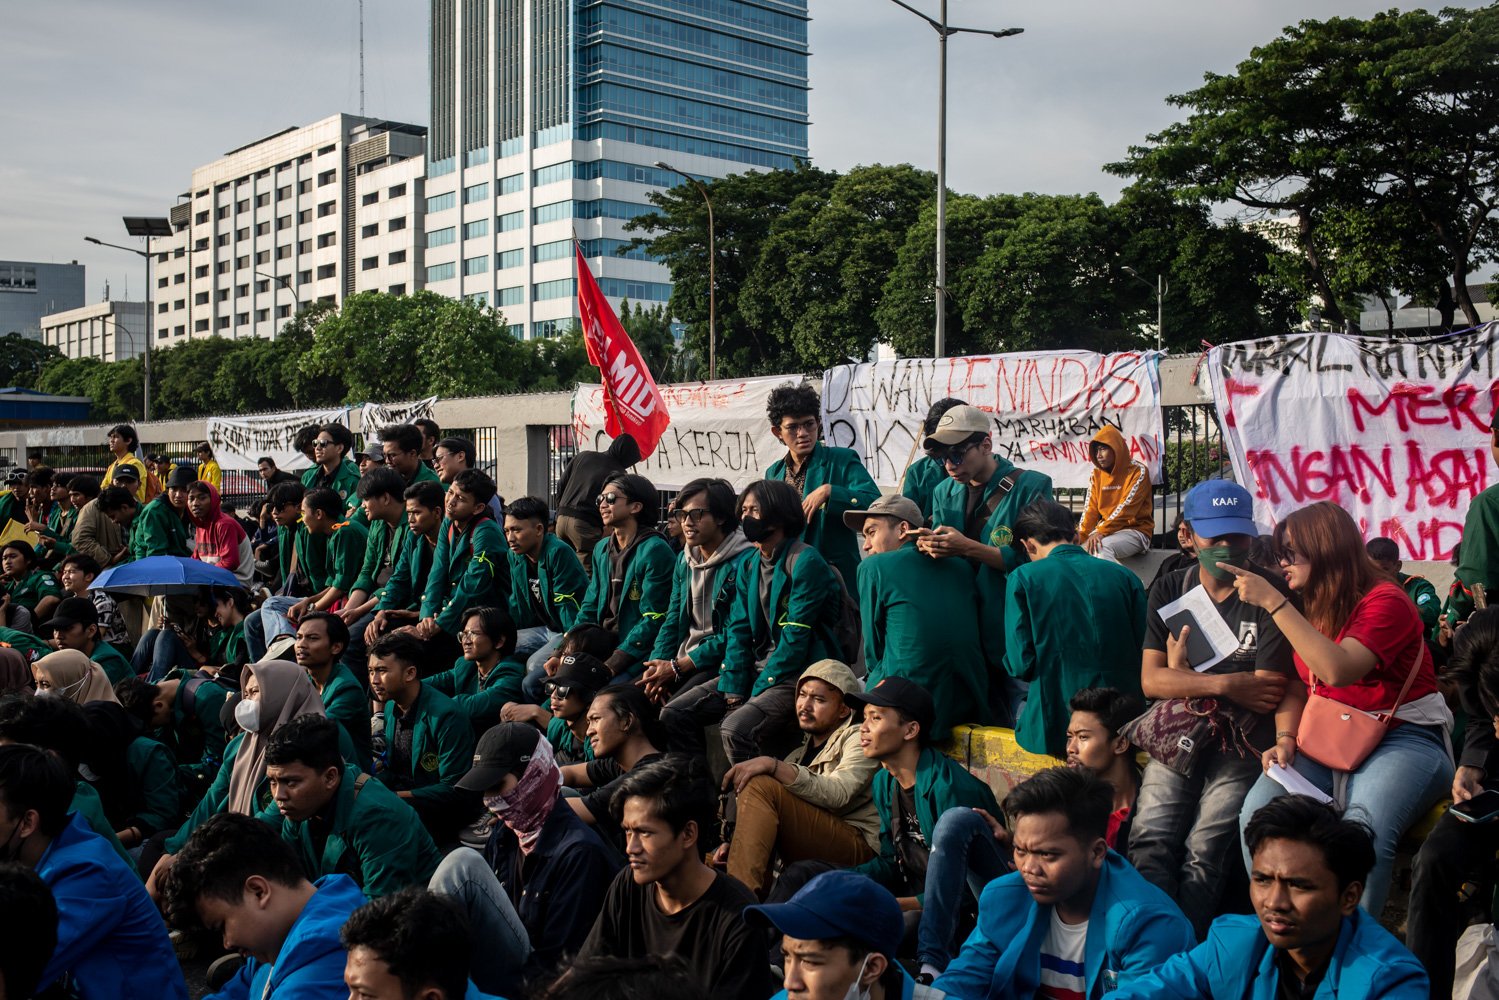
[(856, 991), (247, 714)]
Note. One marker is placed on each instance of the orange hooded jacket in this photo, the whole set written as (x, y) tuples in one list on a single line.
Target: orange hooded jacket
[(1120, 498)]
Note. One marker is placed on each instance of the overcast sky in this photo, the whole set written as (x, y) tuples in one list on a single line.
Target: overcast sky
[(109, 105)]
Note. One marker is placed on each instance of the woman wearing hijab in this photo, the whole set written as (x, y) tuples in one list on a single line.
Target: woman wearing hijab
[(272, 693), (70, 674), (15, 671), (134, 775)]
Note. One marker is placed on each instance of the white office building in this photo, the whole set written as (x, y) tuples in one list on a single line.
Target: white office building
[(308, 214), (109, 331), (548, 117)]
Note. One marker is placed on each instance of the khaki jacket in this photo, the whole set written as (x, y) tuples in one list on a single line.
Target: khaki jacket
[(838, 780)]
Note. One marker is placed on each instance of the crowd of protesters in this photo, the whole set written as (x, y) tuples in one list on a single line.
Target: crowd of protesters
[(433, 744)]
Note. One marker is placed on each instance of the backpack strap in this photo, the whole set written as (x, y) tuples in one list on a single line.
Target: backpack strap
[(1001, 490), (359, 783)]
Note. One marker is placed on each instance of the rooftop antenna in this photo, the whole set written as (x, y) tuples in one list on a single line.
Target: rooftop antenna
[(361, 58)]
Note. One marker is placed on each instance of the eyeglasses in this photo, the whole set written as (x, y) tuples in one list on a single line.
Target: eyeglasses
[(1288, 556), (810, 426), (609, 499), (324, 443), (954, 456), (693, 516), (468, 634)]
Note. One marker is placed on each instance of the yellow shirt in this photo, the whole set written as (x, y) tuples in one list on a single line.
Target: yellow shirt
[(140, 467), (210, 473)]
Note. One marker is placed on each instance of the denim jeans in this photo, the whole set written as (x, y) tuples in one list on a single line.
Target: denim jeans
[(1185, 829), (159, 652), (502, 943), (1408, 773), (263, 625), (537, 646), (964, 853)]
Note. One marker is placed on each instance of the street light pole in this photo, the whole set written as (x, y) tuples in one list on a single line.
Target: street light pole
[(712, 276), (1161, 288), (285, 283), (943, 29)]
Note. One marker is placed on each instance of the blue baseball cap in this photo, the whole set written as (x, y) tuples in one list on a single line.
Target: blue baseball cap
[(837, 904), (1219, 507)]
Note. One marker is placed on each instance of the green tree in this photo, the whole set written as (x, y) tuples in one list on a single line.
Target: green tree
[(745, 206), (650, 329), (1353, 125), (22, 360)]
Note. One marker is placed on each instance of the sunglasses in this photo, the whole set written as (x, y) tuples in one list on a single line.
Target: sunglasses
[(693, 516), (953, 456), (610, 499), (1288, 556), (322, 443), (558, 690)]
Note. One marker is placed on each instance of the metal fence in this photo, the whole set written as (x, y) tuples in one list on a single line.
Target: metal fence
[(1192, 451)]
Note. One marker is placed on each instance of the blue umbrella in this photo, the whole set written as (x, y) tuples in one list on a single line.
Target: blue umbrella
[(162, 575)]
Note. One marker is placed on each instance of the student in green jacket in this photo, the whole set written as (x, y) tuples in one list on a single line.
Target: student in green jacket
[(923, 476), (398, 603), (471, 567), (162, 527), (1072, 621), (828, 480), (339, 821), (382, 494), (75, 625), (402, 445), (972, 514), (55, 532), (715, 554), (429, 743), (134, 775), (915, 785), (188, 705), (321, 638), (782, 622), (547, 584), (332, 468), (488, 675), (919, 615), (30, 593), (632, 568), (1386, 555)]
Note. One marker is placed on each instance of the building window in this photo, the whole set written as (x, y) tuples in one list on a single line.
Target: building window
[(304, 277), (282, 193), (554, 212), (441, 237), (283, 311), (441, 272), (305, 246), (511, 221), (162, 308), (304, 186), (398, 191), (240, 319), (222, 240), (283, 223), (326, 150), (513, 184), (261, 315), (551, 175), (476, 265), (480, 299), (558, 250), (222, 295), (222, 324), (441, 202), (262, 285), (477, 228), (201, 271), (262, 257), (222, 267), (242, 262), (242, 234), (560, 289), (327, 177), (262, 229), (243, 205), (513, 296), (222, 213), (369, 263), (325, 240), (283, 253), (178, 279), (510, 258), (200, 326), (396, 225), (370, 198), (179, 304), (201, 219), (327, 271), (162, 282), (373, 229), (477, 192), (399, 257), (240, 291), (397, 289), (263, 199)]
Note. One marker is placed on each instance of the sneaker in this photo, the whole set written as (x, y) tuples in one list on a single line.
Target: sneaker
[(476, 834)]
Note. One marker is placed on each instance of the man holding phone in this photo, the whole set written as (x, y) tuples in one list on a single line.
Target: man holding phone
[(1453, 874)]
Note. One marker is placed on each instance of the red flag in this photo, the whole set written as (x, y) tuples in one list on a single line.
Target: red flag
[(632, 403)]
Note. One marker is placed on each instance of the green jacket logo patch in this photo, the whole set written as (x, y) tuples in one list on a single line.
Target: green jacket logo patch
[(634, 594), (429, 762), (1001, 536)]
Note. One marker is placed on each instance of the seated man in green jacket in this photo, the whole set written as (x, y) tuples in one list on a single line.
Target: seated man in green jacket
[(398, 603), (429, 743), (339, 821), (632, 566), (784, 619), (547, 584), (471, 567), (920, 615), (487, 676), (972, 515), (829, 481), (321, 638), (382, 498)]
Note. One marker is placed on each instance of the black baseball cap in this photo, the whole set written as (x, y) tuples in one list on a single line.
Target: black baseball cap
[(71, 611), (502, 750), (909, 697), (582, 670), (127, 471)]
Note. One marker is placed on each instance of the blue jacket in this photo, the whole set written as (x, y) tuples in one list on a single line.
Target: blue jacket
[(110, 936), (561, 887), (1236, 961), (1132, 928), (311, 962)]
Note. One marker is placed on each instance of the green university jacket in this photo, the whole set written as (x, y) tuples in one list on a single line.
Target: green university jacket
[(562, 581), (480, 699), (376, 838), (796, 632), (949, 506), (344, 482), (920, 621), (442, 748), (158, 530), (382, 541), (853, 489), (403, 591), (470, 569), (921, 482), (707, 655), (646, 594), (1072, 621), (941, 784), (347, 703)]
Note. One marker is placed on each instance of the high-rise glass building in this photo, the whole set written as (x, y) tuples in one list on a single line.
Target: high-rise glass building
[(547, 118)]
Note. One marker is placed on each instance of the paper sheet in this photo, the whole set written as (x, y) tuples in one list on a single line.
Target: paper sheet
[(1211, 640), (1292, 781)]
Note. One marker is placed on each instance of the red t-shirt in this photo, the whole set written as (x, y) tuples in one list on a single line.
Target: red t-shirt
[(1387, 623)]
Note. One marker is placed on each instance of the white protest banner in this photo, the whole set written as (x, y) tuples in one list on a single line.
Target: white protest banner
[(718, 429), (1047, 405), (1395, 433), (239, 441), (375, 416)]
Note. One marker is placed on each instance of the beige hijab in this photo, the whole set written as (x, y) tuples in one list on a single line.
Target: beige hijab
[(286, 692), (75, 677)]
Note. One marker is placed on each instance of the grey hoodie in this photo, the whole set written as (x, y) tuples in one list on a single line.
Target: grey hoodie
[(704, 572)]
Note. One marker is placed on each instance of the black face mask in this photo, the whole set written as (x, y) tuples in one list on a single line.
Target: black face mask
[(755, 529)]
